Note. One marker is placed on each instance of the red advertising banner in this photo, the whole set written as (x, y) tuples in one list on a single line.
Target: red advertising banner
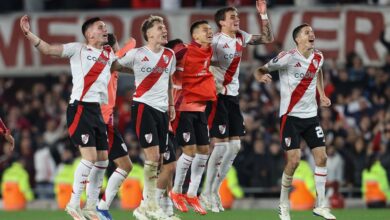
[(338, 30)]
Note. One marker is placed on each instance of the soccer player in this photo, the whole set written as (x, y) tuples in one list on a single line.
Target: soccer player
[(300, 77), (117, 149), (191, 127), (91, 66), (153, 66), (7, 134), (228, 123)]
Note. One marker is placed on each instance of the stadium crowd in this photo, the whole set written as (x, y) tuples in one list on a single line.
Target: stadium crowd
[(357, 125)]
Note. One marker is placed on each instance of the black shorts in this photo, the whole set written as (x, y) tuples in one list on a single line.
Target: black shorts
[(192, 129), (228, 120), (170, 155), (150, 125), (294, 128), (116, 146), (86, 126)]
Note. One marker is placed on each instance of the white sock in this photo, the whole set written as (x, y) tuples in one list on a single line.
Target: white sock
[(150, 182), (197, 168), (227, 161), (320, 174), (95, 182), (183, 163), (160, 195), (214, 165), (115, 181), (80, 180), (285, 189)]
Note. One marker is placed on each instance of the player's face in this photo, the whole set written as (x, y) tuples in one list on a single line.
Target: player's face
[(158, 33), (98, 32), (231, 22), (203, 34), (306, 37)]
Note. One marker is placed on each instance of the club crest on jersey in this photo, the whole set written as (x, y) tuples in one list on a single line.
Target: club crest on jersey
[(315, 63), (239, 41), (124, 147), (166, 58), (222, 129), (84, 138), (287, 141), (149, 138), (186, 136), (167, 155)]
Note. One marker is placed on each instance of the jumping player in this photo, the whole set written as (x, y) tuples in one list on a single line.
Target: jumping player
[(228, 123), (300, 77), (153, 66)]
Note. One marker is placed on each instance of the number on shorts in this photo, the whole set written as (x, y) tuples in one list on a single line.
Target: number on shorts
[(320, 132)]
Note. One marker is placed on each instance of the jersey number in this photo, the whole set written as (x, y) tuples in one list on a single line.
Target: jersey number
[(320, 132)]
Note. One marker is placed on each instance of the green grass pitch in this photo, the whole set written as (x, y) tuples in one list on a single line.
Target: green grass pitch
[(346, 214)]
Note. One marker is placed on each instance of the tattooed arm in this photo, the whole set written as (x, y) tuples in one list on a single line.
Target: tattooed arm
[(266, 35)]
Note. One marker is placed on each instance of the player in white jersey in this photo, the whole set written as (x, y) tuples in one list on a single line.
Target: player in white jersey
[(228, 123), (153, 66), (91, 66), (301, 78)]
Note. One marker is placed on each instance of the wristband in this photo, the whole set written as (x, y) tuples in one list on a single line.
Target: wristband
[(39, 42), (264, 16)]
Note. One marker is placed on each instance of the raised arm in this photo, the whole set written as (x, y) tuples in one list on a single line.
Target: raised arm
[(266, 35), (116, 66), (325, 101), (41, 45)]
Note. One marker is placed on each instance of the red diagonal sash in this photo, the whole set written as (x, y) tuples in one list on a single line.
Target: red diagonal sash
[(153, 77), (301, 88), (95, 70), (232, 69)]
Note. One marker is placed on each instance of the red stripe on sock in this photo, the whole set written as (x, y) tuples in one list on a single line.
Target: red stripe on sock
[(319, 174)]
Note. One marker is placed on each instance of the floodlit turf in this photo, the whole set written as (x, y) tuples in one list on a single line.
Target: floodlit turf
[(351, 214)]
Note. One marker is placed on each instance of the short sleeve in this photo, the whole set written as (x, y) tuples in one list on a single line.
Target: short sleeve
[(279, 62), (246, 37), (128, 59), (70, 49)]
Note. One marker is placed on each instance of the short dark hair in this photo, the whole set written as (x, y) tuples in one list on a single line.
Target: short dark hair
[(88, 23), (148, 23), (196, 24), (297, 30), (220, 15), (172, 43), (111, 39)]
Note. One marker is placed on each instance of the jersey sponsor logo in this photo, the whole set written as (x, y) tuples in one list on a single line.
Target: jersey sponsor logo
[(84, 138), (222, 129), (145, 59), (298, 64), (226, 46), (100, 60), (230, 56), (186, 136), (157, 69), (307, 75), (287, 141), (149, 138), (124, 147)]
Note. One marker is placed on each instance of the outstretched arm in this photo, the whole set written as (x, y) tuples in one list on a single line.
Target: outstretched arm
[(266, 35), (41, 45)]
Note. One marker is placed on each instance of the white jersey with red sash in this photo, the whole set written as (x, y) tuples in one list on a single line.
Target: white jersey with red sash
[(225, 63), (90, 69), (151, 71), (298, 79)]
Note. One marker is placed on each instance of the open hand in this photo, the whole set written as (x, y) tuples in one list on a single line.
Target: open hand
[(261, 6), (25, 24)]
